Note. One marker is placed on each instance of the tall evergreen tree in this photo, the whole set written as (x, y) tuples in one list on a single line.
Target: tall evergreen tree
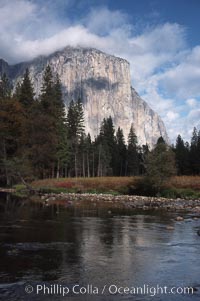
[(47, 90), (194, 155), (11, 119), (25, 93), (5, 87), (106, 148), (132, 153), (62, 148), (52, 109), (182, 156), (88, 148), (82, 156), (161, 140), (44, 143), (120, 164), (75, 121), (18, 109), (75, 129)]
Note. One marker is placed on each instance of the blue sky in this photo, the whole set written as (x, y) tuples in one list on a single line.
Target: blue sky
[(160, 39)]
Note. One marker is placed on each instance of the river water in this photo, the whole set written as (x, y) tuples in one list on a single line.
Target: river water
[(57, 247)]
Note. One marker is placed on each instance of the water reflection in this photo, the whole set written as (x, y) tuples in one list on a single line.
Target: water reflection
[(39, 243)]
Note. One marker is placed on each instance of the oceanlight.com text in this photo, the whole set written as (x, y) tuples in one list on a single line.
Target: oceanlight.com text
[(111, 289)]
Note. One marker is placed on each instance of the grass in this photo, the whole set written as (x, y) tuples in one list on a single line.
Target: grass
[(183, 187), (184, 193), (186, 182), (19, 187), (177, 187), (113, 185)]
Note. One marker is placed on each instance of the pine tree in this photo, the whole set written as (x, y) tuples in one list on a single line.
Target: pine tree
[(57, 101), (25, 92), (106, 148), (5, 87), (182, 156), (194, 139), (15, 138), (82, 155), (17, 90), (62, 148), (198, 153), (80, 117), (43, 142), (58, 92), (47, 91), (11, 119), (62, 151), (120, 164), (160, 140), (132, 153), (143, 153), (75, 129), (88, 147), (75, 121), (194, 155), (52, 108)]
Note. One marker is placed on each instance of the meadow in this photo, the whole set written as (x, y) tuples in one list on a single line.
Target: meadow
[(178, 186)]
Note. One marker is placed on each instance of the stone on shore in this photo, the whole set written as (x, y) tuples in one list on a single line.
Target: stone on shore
[(123, 201)]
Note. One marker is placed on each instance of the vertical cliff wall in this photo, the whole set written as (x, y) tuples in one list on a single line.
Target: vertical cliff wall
[(103, 83)]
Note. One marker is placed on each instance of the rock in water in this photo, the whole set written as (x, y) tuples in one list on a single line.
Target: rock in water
[(103, 83), (170, 228), (179, 219)]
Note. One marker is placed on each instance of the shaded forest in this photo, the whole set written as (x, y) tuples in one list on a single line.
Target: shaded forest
[(40, 139)]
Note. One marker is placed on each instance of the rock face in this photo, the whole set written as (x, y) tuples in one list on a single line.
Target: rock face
[(103, 83), (4, 67)]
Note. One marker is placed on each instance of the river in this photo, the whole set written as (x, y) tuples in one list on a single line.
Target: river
[(95, 254)]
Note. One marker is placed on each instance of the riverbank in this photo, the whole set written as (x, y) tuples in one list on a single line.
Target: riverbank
[(120, 201), (183, 187), (182, 193)]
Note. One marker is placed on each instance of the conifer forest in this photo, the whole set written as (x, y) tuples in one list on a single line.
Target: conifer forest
[(40, 138)]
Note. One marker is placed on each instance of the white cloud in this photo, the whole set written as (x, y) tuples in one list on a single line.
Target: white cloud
[(171, 115), (194, 115), (102, 21), (192, 102), (13, 12), (164, 70), (183, 80), (166, 38)]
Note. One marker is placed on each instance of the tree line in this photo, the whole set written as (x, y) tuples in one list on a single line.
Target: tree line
[(40, 139), (188, 154)]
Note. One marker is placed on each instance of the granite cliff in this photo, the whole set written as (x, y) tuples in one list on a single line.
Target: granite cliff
[(103, 83)]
